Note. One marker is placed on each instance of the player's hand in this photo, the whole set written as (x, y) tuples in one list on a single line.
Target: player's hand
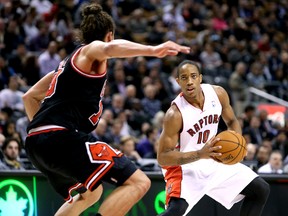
[(208, 150), (170, 48)]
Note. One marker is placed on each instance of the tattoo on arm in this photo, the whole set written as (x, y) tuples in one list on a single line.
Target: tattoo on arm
[(184, 160)]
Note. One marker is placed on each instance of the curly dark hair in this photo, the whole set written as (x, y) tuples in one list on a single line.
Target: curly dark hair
[(95, 24)]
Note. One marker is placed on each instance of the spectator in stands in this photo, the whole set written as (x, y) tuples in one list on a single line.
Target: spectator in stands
[(249, 112), (251, 152), (254, 130), (146, 145), (211, 59), (115, 132), (5, 73), (118, 85), (31, 70), (21, 126), (255, 76), (250, 158), (137, 116), (262, 155), (2, 139), (130, 95), (128, 146), (117, 103), (17, 59), (49, 60), (274, 165), (266, 125), (280, 142), (11, 97), (100, 131), (150, 104), (153, 154), (239, 88), (11, 150)]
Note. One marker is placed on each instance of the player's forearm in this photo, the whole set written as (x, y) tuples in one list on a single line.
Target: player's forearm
[(31, 106), (235, 126), (176, 158), (124, 48)]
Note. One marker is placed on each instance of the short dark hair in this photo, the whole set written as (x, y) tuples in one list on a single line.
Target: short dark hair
[(188, 62), (8, 140), (96, 23)]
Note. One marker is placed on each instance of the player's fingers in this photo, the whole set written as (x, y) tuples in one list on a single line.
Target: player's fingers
[(215, 148), (214, 154), (172, 52), (185, 49)]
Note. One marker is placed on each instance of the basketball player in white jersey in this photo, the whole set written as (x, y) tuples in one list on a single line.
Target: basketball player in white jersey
[(186, 151)]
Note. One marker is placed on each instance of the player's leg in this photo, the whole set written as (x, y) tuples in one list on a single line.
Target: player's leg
[(256, 194), (121, 200), (176, 207), (81, 202)]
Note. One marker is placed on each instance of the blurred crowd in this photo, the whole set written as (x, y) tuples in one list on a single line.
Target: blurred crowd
[(239, 44)]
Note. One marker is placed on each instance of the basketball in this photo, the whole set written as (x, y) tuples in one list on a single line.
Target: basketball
[(233, 147)]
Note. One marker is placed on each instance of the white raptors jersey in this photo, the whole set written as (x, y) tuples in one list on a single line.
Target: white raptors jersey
[(198, 125), (192, 181)]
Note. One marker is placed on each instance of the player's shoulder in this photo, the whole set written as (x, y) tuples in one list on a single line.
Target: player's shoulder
[(219, 90), (173, 113)]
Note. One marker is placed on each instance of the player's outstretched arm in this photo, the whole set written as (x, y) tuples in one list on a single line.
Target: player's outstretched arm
[(119, 48), (34, 96)]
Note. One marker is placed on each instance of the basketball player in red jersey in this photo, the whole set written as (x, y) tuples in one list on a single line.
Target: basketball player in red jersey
[(65, 106), (186, 151)]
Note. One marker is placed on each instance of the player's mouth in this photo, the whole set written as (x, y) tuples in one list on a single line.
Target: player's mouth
[(190, 90)]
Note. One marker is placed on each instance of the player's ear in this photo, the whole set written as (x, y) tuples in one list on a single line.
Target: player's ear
[(200, 78), (177, 80), (109, 36)]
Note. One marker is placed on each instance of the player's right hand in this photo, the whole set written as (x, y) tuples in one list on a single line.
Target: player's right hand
[(208, 150), (170, 48)]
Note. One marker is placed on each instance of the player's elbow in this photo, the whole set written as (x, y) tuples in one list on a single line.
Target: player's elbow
[(161, 159), (26, 96)]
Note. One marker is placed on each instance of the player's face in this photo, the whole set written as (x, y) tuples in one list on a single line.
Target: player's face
[(189, 80)]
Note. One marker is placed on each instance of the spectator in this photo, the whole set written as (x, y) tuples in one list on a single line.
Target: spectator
[(153, 154), (11, 150), (210, 59), (130, 92), (254, 130), (280, 142), (150, 105), (238, 86), (11, 97), (251, 152), (118, 85), (146, 145), (49, 60), (262, 156), (5, 73), (249, 112), (127, 146), (274, 165), (100, 131), (2, 139), (137, 116), (115, 132), (255, 77), (17, 59), (266, 125), (117, 104)]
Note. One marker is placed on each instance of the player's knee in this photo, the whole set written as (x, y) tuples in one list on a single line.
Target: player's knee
[(144, 185), (176, 207), (264, 189)]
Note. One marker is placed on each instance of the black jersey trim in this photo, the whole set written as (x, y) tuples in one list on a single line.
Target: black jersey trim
[(80, 71)]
